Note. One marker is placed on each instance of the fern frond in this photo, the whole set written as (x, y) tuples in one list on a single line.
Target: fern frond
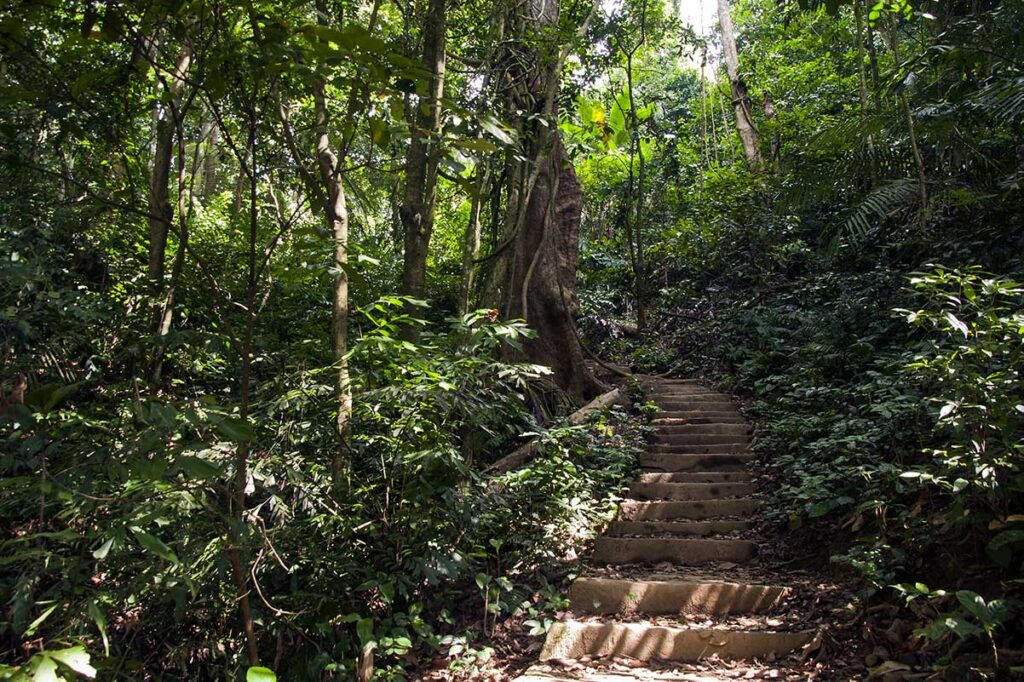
[(1002, 98), (881, 203)]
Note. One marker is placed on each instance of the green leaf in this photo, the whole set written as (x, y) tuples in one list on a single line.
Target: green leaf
[(103, 550), (379, 132), (234, 429), (48, 396), (258, 673), (39, 621), (955, 322), (364, 630), (477, 145), (44, 669), (76, 658), (155, 545), (197, 468), (1000, 548), (493, 127), (974, 604)]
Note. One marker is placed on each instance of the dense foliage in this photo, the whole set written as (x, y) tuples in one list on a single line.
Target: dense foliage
[(247, 408), (863, 289)]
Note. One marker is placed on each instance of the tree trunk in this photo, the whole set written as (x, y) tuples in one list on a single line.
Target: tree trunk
[(211, 135), (417, 209), (542, 276), (922, 175), (740, 98), (160, 211), (863, 79), (635, 211), (336, 210), (471, 245), (534, 268)]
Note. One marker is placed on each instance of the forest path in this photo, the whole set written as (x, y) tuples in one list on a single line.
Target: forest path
[(676, 590)]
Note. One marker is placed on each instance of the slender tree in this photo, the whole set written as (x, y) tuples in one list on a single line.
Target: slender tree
[(740, 98), (424, 156)]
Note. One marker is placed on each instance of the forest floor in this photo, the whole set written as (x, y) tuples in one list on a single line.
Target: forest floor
[(725, 582)]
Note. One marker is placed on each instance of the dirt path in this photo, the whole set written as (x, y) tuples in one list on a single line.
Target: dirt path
[(676, 589)]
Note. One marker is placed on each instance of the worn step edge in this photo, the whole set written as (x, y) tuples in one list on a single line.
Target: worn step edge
[(687, 461), (699, 439), (602, 596), (648, 490), (701, 416), (540, 673), (681, 551), (696, 402), (634, 510), (696, 477), (663, 422), (644, 642), (682, 528), (708, 429), (709, 449)]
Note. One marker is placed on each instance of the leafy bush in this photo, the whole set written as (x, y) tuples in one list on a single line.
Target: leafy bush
[(118, 532)]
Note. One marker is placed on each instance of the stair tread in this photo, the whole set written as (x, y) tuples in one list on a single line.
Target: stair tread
[(657, 490), (665, 510), (696, 477), (709, 528), (630, 598), (572, 639), (678, 550)]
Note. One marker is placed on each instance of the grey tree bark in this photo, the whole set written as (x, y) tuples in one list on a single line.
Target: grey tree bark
[(740, 98), (535, 277), (424, 156)]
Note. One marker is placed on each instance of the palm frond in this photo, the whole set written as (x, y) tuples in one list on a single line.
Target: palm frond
[(881, 203)]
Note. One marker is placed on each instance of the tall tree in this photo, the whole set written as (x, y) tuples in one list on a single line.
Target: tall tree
[(169, 117), (535, 278), (740, 98), (424, 155)]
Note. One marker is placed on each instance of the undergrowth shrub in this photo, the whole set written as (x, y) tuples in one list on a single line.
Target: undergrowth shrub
[(117, 528)]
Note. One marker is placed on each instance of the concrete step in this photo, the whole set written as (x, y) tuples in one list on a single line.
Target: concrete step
[(709, 449), (697, 477), (715, 428), (683, 528), (635, 510), (690, 405), (574, 639), (602, 596), (696, 418), (703, 414), (686, 394), (698, 399), (675, 461), (660, 438), (544, 673), (688, 491), (680, 551)]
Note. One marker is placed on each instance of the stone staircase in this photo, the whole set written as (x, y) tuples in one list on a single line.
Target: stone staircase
[(682, 534)]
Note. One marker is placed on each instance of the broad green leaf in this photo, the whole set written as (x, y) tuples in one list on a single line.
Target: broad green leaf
[(494, 128), (44, 669), (155, 545), (197, 468), (101, 552), (364, 630), (234, 429), (76, 658), (258, 673)]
